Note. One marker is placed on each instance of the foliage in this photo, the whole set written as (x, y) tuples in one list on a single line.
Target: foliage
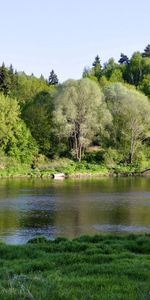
[(123, 59), (145, 85), (28, 87), (53, 79), (112, 158), (9, 116), (41, 118), (146, 52), (5, 81), (81, 112), (130, 70), (131, 118), (15, 139), (97, 67), (38, 117), (21, 145)]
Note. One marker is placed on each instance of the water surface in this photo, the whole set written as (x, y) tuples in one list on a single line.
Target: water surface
[(70, 208)]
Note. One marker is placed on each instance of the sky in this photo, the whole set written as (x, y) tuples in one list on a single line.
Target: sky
[(40, 35)]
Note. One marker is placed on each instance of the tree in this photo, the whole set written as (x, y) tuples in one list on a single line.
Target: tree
[(5, 80), (42, 77), (38, 117), (131, 119), (145, 85), (110, 67), (9, 115), (80, 113), (11, 70), (21, 144), (146, 52), (27, 88), (145, 66), (123, 59), (133, 72), (97, 67), (116, 76), (86, 72), (13, 79), (53, 79), (15, 139)]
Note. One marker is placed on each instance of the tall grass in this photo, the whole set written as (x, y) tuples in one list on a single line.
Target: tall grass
[(99, 267)]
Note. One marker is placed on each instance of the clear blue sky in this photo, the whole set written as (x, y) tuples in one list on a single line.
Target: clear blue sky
[(66, 35)]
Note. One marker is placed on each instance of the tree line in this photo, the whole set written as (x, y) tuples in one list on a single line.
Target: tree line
[(108, 107), (134, 71)]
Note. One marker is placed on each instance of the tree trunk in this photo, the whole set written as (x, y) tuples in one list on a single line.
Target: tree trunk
[(80, 152), (76, 146), (131, 148)]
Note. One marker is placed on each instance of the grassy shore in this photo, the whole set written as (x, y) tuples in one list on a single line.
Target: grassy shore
[(99, 267), (70, 168), (61, 165)]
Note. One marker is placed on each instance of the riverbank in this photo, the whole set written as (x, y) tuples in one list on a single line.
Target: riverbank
[(99, 267), (70, 169)]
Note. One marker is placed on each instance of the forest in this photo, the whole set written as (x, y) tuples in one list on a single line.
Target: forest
[(102, 119)]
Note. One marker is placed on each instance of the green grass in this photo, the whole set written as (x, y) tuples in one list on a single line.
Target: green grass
[(99, 267), (60, 165), (72, 168), (69, 167)]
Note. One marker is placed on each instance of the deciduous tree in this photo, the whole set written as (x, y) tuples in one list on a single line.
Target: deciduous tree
[(80, 112), (131, 118)]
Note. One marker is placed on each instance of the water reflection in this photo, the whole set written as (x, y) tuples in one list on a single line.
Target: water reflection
[(72, 207)]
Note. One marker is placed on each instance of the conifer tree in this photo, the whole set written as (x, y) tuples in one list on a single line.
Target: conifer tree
[(146, 52), (97, 67), (123, 59), (5, 80), (53, 79), (13, 78)]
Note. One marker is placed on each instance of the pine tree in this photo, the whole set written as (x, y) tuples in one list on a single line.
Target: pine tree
[(42, 77), (53, 79), (123, 59), (97, 67), (96, 62), (13, 78), (5, 80), (146, 52), (11, 69)]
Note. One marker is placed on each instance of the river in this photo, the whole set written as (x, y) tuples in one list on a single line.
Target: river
[(70, 208)]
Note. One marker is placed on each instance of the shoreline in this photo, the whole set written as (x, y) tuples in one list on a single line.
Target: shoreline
[(78, 175)]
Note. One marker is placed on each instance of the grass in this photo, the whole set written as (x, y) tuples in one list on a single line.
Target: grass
[(91, 166), (59, 165), (87, 268)]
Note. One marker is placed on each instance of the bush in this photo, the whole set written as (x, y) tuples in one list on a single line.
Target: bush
[(112, 157)]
